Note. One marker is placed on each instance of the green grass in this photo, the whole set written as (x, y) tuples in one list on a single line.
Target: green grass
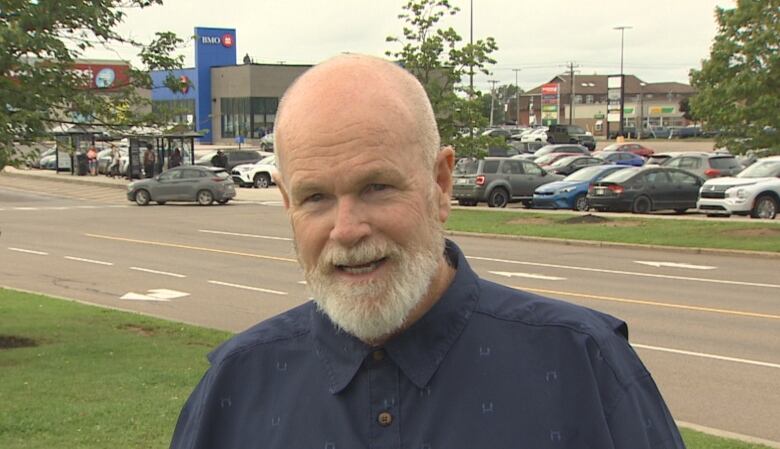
[(758, 236), (97, 379), (100, 378)]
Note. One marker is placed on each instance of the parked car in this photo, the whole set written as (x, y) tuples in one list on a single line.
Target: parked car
[(646, 189), (498, 181), (260, 174), (755, 191), (565, 148), (620, 158), (570, 134), (234, 157), (571, 192), (36, 163), (658, 158), (203, 185), (51, 162), (630, 147), (537, 135), (705, 165), (549, 158), (497, 132), (570, 164), (684, 132)]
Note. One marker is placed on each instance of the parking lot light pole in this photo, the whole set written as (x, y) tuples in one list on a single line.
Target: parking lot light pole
[(622, 29)]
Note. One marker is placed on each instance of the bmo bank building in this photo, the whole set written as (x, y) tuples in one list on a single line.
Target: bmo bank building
[(225, 100)]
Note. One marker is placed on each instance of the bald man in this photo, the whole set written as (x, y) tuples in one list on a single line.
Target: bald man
[(403, 345)]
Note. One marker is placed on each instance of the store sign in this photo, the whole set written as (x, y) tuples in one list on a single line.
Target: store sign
[(103, 76), (550, 103), (550, 89), (226, 40), (658, 110)]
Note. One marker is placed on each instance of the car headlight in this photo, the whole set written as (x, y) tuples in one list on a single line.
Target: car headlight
[(741, 193)]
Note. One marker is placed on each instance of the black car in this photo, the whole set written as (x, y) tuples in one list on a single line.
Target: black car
[(645, 189), (234, 157), (570, 164), (570, 134)]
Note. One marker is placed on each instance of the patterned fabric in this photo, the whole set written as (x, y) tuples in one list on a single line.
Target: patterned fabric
[(488, 367)]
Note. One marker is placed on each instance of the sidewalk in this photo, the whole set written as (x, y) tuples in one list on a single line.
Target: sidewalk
[(242, 194)]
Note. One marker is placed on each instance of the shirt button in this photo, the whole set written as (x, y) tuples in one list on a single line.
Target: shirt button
[(384, 419), (378, 355)]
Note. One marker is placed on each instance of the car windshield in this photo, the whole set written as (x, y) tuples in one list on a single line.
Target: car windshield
[(621, 175), (266, 161), (546, 158), (724, 162), (466, 167), (563, 161), (221, 174), (585, 174), (207, 157), (761, 169)]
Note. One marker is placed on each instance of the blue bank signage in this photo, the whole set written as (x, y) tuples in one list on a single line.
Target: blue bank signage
[(213, 47)]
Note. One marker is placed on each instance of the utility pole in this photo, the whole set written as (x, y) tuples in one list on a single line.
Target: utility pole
[(571, 92), (492, 99), (471, 65), (517, 98), (622, 30)]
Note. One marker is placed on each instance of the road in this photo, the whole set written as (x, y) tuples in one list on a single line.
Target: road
[(707, 326)]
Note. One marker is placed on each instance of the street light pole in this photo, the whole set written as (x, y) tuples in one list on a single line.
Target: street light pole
[(471, 65), (517, 98), (622, 79)]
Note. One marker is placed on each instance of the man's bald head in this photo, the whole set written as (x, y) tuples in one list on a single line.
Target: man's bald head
[(360, 91)]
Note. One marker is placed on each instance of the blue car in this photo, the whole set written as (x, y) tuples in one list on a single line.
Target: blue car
[(621, 158), (570, 192)]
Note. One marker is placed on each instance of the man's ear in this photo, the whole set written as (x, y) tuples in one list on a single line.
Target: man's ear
[(445, 161), (282, 189)]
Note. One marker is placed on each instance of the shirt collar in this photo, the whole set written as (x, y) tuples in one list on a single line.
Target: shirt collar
[(419, 350)]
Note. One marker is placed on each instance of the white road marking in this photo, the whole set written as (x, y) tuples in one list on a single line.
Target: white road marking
[(157, 294), (25, 208), (302, 282), (246, 287), (87, 207), (97, 262), (527, 275), (164, 273), (629, 273), (707, 356), (28, 251), (238, 234), (674, 265)]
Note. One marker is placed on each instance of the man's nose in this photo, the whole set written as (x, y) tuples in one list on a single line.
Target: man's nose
[(349, 225)]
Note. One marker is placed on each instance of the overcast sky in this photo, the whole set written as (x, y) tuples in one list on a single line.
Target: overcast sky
[(667, 38)]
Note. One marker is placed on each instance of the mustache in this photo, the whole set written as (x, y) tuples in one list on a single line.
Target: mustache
[(363, 253)]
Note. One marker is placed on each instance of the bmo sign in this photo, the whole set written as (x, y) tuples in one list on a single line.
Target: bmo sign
[(226, 40)]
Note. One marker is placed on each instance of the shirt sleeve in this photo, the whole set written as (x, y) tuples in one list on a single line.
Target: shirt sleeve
[(189, 425), (641, 420)]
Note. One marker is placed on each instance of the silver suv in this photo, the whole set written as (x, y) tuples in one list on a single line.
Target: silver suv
[(705, 165), (497, 181)]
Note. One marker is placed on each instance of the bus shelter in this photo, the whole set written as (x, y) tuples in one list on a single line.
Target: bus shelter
[(75, 140)]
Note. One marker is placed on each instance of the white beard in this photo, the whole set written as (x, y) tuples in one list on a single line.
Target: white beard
[(373, 309)]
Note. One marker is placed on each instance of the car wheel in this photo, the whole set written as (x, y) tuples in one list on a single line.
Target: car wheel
[(142, 197), (499, 197), (225, 201), (642, 205), (765, 207), (204, 198), (161, 203), (581, 203), (262, 180)]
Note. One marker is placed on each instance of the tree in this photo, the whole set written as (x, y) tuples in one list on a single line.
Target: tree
[(440, 62), (503, 101), (685, 108), (738, 86), (39, 43)]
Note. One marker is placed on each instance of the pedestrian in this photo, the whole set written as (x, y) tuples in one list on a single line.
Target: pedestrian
[(113, 168), (92, 160), (175, 159), (149, 160), (403, 344), (219, 159)]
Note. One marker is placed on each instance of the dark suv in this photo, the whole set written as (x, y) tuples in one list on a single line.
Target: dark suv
[(570, 134), (234, 157), (498, 181)]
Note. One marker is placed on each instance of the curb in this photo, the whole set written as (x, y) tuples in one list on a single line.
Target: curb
[(594, 243), (64, 178), (726, 434)]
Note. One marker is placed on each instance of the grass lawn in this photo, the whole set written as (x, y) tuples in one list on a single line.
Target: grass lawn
[(710, 233), (99, 378)]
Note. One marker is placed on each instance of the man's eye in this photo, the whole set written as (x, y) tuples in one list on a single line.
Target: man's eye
[(313, 198), (377, 187)]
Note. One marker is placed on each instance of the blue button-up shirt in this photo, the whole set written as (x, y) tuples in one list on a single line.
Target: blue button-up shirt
[(488, 367)]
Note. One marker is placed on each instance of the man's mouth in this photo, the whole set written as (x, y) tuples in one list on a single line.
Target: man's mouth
[(361, 268)]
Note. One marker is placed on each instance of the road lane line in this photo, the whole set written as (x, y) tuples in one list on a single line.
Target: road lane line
[(629, 273), (246, 287), (650, 303), (96, 262), (707, 356), (238, 234), (28, 251), (194, 248), (164, 273)]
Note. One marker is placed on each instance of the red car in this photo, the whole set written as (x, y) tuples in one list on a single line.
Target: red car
[(639, 150)]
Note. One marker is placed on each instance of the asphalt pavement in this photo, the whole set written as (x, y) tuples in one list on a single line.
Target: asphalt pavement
[(706, 325)]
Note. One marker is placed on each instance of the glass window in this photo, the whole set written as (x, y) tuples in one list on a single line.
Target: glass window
[(531, 168), (679, 177), (465, 166), (724, 162), (263, 112), (578, 99), (515, 167), (490, 167), (589, 99)]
